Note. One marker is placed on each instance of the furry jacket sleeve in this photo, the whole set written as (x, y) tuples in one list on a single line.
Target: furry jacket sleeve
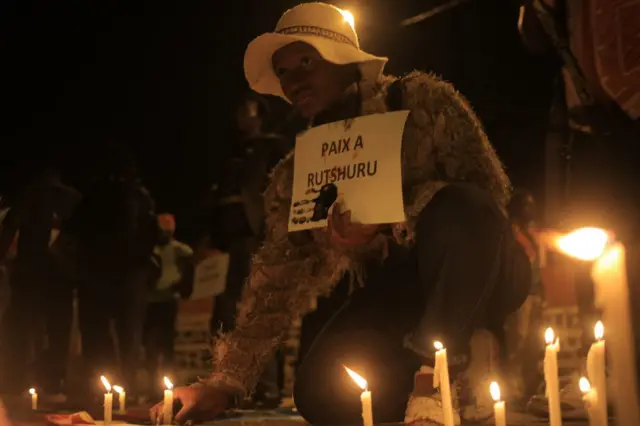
[(443, 143)]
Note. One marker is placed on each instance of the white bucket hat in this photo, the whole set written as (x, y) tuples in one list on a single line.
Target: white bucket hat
[(323, 26)]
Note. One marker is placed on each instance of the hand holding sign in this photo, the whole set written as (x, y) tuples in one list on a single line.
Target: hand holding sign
[(347, 233)]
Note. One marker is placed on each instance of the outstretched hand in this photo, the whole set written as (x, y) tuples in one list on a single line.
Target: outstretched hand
[(347, 233), (199, 403)]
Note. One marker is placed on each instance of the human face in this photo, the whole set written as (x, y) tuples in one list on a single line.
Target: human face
[(248, 118), (529, 209), (311, 83)]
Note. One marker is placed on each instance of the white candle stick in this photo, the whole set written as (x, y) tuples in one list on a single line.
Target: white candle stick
[(441, 380), (108, 401), (167, 407), (596, 370), (551, 377), (34, 399), (122, 399), (612, 298), (590, 398), (499, 408), (365, 397)]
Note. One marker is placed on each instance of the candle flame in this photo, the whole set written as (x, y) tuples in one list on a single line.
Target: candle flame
[(598, 330), (168, 383), (118, 389), (438, 345), (549, 336), (360, 381), (584, 385), (348, 17), (32, 391), (611, 258), (106, 383), (494, 388), (584, 243)]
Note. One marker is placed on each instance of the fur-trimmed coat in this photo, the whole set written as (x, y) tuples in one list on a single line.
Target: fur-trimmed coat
[(443, 142)]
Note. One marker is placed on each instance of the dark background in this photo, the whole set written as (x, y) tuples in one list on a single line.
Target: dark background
[(163, 76)]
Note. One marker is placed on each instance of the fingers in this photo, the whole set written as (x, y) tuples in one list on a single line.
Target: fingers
[(334, 218), (155, 411), (185, 413)]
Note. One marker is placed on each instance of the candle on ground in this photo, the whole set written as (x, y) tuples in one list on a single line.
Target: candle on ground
[(122, 399), (590, 398), (441, 380), (551, 377), (365, 397), (108, 401), (499, 409), (611, 292), (34, 399), (167, 407), (596, 371)]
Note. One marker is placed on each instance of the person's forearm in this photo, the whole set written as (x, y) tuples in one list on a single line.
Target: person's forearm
[(274, 295)]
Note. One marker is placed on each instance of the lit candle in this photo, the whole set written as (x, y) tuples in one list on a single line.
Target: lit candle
[(34, 399), (108, 401), (499, 407), (365, 397), (590, 398), (612, 298), (551, 377), (122, 399), (167, 408), (441, 380), (596, 371)]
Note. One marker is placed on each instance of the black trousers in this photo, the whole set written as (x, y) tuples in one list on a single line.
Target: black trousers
[(108, 293), (462, 273), (159, 332), (41, 305), (24, 327)]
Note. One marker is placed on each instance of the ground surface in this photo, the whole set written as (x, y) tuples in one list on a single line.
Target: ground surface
[(21, 415)]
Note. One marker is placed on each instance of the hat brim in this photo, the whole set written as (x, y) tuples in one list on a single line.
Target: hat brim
[(258, 65)]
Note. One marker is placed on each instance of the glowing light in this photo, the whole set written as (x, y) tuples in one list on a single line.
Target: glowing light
[(118, 389), (348, 17), (106, 383), (494, 388), (584, 243), (584, 385), (32, 391), (598, 330), (549, 336), (438, 345), (168, 383), (360, 381)]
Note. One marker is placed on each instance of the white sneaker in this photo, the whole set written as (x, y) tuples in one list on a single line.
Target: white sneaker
[(426, 410), (472, 386), (571, 403)]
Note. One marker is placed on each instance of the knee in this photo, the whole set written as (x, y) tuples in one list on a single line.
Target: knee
[(464, 197), (461, 204), (305, 402)]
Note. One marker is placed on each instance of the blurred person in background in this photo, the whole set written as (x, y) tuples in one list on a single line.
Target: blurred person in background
[(240, 217), (115, 230), (174, 281), (523, 343), (33, 290)]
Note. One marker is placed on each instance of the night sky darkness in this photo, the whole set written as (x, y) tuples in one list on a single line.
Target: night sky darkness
[(163, 76)]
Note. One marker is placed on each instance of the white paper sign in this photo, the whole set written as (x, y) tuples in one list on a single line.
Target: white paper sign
[(356, 163), (211, 276)]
